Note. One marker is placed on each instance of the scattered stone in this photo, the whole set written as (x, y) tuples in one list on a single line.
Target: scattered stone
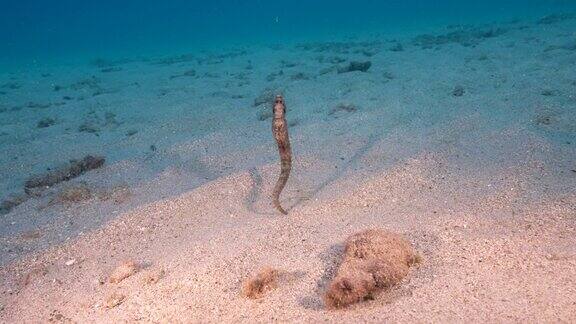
[(545, 120), (272, 76), (263, 282), (388, 75), (38, 105), (397, 48), (36, 272), (70, 262), (12, 201), (549, 93), (57, 317), (569, 46), (328, 70), (343, 107), (118, 194), (356, 66), (115, 300), (74, 194), (465, 37), (110, 119), (111, 69), (11, 86), (373, 260), (123, 271), (330, 59), (152, 277), (458, 91), (131, 132), (31, 235), (299, 76), (46, 122), (88, 127), (556, 18), (339, 47), (286, 64), (66, 172), (368, 52), (189, 73), (91, 83), (174, 59)]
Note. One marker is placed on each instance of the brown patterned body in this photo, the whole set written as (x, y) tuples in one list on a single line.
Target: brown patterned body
[(280, 132)]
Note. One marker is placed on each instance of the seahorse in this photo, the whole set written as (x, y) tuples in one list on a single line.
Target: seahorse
[(280, 132)]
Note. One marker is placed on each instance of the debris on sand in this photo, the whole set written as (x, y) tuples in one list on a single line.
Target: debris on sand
[(123, 271), (11, 202), (188, 73), (115, 300), (356, 66), (373, 260), (465, 36), (397, 48), (256, 287), (154, 276), (118, 194), (73, 169), (74, 194), (45, 122), (35, 273), (458, 91), (343, 107), (555, 18)]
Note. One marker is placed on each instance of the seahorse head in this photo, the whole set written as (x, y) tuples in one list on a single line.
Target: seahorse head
[(279, 107)]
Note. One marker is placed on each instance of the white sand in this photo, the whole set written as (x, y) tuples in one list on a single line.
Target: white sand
[(483, 185)]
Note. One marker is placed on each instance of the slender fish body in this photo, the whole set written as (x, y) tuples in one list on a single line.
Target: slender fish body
[(280, 132)]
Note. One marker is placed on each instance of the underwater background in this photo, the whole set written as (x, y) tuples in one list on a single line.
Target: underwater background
[(138, 133), (40, 32)]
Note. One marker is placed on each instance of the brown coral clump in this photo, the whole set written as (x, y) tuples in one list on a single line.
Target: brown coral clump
[(264, 281), (373, 260)]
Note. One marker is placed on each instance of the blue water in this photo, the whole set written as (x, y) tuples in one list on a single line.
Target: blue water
[(42, 32)]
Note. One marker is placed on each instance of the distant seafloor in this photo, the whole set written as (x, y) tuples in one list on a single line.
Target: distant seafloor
[(39, 33)]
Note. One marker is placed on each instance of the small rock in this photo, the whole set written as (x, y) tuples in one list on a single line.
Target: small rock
[(356, 66), (74, 194), (397, 48), (46, 122), (458, 91), (36, 272), (154, 276), (11, 202), (343, 107), (70, 262)]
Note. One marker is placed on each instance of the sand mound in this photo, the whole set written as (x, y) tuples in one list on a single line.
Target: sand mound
[(123, 271), (373, 260), (264, 281)]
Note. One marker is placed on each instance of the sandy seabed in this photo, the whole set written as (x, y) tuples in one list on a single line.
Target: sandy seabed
[(464, 141)]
